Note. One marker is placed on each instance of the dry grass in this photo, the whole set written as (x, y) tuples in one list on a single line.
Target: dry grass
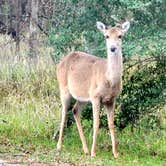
[(28, 91)]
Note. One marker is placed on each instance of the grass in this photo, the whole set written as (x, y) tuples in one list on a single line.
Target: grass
[(28, 95), (138, 148), (30, 116)]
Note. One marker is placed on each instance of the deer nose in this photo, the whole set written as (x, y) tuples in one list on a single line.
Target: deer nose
[(113, 48)]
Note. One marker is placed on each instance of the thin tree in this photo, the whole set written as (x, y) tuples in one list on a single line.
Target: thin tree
[(33, 6), (18, 21)]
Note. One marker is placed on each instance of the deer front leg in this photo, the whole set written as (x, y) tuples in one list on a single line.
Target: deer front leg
[(110, 116), (76, 111), (96, 109)]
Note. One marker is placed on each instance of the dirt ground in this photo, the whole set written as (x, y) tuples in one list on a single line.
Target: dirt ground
[(20, 163), (24, 157), (28, 162)]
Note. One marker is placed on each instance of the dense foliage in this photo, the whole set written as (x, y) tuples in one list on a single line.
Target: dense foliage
[(143, 93), (74, 28), (74, 25)]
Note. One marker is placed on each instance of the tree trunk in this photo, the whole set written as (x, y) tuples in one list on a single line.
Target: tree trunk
[(18, 21), (33, 6)]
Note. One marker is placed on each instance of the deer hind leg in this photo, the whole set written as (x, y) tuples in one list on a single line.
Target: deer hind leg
[(96, 110), (65, 100), (110, 116), (77, 111)]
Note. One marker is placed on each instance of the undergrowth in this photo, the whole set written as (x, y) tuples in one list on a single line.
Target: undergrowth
[(29, 102)]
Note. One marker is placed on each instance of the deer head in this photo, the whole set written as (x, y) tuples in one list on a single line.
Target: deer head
[(113, 36)]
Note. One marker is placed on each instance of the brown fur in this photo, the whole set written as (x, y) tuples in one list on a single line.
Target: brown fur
[(79, 70), (88, 78)]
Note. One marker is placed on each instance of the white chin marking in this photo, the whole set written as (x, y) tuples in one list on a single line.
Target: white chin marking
[(112, 53), (82, 99)]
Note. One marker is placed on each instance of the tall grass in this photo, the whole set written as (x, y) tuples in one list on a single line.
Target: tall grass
[(28, 94)]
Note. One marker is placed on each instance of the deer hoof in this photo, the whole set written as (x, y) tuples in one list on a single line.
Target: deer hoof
[(57, 151), (86, 150), (93, 154), (116, 155), (58, 148)]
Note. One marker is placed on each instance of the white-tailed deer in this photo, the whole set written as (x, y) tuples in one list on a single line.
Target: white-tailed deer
[(88, 78)]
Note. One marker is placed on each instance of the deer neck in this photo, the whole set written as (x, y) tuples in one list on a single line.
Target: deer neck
[(114, 67)]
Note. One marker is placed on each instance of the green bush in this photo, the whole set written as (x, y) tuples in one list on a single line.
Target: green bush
[(143, 92)]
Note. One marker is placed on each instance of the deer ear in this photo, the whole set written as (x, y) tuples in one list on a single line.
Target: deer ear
[(102, 27), (125, 26)]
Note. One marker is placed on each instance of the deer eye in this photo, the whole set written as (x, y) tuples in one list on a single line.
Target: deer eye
[(120, 36), (106, 36)]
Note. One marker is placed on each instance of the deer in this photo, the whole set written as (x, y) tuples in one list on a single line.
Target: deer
[(91, 79)]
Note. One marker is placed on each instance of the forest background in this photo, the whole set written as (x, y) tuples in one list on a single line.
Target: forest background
[(35, 34)]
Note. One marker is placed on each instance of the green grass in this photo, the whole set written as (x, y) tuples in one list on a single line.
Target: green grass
[(28, 95), (29, 106), (30, 116), (138, 148)]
